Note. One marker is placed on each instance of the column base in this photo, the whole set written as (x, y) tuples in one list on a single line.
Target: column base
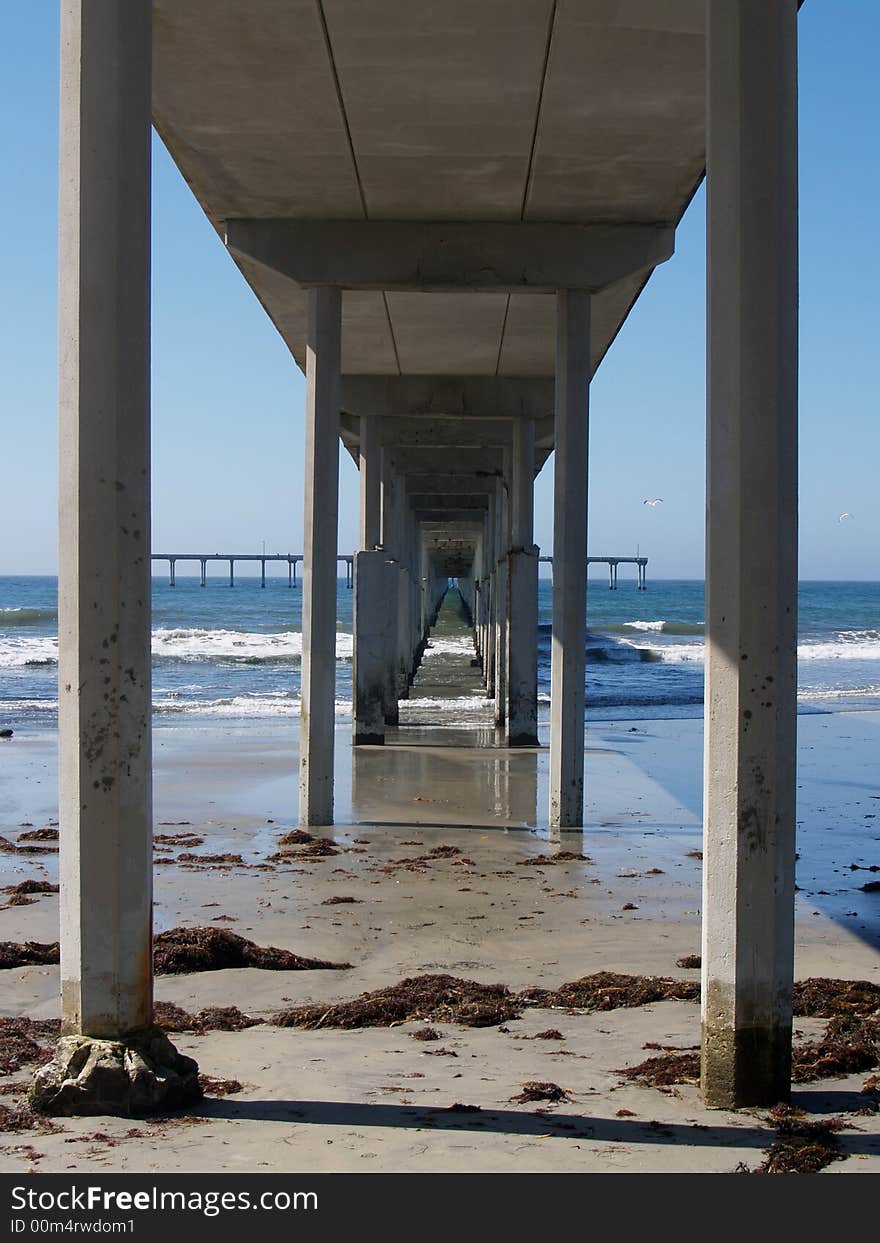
[(142, 1073), (368, 740), (745, 1068), (522, 740)]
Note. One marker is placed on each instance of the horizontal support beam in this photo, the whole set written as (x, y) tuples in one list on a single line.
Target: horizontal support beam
[(448, 500), (428, 256), (447, 515), (480, 397)]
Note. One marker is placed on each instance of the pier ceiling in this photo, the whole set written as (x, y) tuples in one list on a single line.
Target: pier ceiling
[(532, 126)]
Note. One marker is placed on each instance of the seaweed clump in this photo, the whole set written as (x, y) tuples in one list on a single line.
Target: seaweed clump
[(535, 1091), (823, 998), (29, 954), (213, 1019), (27, 887), (671, 1067), (212, 949), (607, 990), (803, 1147), (849, 1045), (441, 998), (22, 1041)]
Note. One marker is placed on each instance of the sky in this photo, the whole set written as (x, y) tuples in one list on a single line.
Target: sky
[(228, 398)]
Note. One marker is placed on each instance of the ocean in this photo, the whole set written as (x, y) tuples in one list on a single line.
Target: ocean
[(235, 653)]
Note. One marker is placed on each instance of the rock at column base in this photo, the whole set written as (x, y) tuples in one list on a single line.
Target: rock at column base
[(142, 1073)]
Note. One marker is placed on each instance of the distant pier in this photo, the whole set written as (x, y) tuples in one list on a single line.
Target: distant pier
[(291, 560), (613, 562)]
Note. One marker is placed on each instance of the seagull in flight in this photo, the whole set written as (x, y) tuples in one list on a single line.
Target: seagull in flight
[(657, 500), (843, 517)]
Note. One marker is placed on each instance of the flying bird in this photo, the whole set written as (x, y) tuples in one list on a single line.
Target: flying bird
[(658, 500), (843, 517)]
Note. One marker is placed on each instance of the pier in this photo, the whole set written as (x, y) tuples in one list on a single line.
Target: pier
[(290, 559), (447, 212), (613, 562)]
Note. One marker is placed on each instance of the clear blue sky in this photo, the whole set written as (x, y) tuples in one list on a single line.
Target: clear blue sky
[(228, 398)]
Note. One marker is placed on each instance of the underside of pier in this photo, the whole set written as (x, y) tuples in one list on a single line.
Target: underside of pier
[(447, 212)]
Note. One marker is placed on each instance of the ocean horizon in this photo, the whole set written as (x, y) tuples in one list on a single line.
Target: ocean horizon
[(235, 653)]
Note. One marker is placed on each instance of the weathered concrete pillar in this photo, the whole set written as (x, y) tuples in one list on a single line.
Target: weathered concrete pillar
[(569, 559), (104, 691), (370, 664), (521, 725), (502, 536), (390, 487), (751, 574), (371, 604), (490, 598), (319, 556), (370, 467)]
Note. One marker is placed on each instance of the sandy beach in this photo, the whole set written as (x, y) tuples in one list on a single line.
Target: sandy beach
[(377, 1099)]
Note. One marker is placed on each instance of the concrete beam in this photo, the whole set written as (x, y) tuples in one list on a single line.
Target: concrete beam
[(428, 256), (417, 396), (448, 500)]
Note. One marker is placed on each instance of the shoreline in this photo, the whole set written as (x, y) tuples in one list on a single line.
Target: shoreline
[(634, 907)]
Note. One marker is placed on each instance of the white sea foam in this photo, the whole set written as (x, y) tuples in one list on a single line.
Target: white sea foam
[(277, 704), (237, 646), (460, 703), (645, 625), (449, 645), (17, 652)]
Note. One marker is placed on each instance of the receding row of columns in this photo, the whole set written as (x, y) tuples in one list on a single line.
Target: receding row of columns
[(104, 575)]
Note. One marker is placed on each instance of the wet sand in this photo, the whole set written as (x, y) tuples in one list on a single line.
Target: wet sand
[(376, 1099)]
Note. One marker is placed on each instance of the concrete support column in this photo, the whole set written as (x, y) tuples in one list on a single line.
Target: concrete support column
[(104, 563), (490, 598), (369, 669), (104, 687), (319, 556), (751, 574), (521, 725), (370, 467), (569, 559), (502, 537)]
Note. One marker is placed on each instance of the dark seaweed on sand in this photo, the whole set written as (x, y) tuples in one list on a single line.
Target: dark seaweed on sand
[(213, 1019), (28, 954), (850, 1044), (803, 1147), (823, 998), (212, 949), (535, 1091), (607, 990), (665, 1070), (31, 886), (441, 998), (23, 1041)]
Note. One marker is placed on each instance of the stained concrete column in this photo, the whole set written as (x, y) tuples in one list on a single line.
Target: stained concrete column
[(751, 574), (370, 663), (371, 604), (389, 541), (521, 725), (502, 537), (569, 559), (104, 684), (319, 556), (370, 467), (490, 597)]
